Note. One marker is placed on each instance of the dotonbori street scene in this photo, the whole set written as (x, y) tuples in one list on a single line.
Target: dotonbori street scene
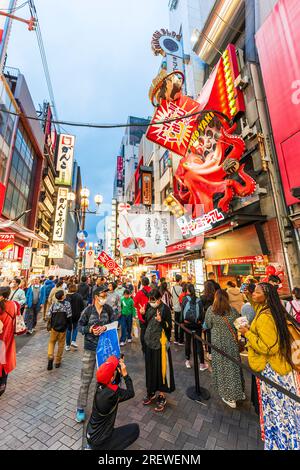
[(149, 228)]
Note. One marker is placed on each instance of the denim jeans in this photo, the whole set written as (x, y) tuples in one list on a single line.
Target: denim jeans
[(126, 326), (72, 334)]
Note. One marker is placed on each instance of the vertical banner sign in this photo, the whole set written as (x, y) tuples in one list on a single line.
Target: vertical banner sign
[(110, 264), (147, 189), (26, 260), (6, 242), (120, 177), (90, 259), (60, 215), (65, 158)]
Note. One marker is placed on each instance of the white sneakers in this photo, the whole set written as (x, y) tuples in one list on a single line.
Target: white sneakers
[(203, 367), (74, 345), (68, 348), (129, 341), (122, 344), (232, 404), (188, 364)]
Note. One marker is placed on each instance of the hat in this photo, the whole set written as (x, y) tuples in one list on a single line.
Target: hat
[(101, 289), (106, 371)]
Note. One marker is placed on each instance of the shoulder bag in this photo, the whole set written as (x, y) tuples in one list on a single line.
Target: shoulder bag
[(240, 343)]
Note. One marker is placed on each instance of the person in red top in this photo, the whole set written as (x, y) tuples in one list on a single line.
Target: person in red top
[(141, 300), (183, 293), (8, 312)]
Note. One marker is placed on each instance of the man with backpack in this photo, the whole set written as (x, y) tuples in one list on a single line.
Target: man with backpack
[(176, 291), (60, 319), (193, 316), (141, 300), (46, 288)]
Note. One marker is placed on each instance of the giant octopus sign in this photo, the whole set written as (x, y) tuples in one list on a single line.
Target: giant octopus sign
[(206, 140)]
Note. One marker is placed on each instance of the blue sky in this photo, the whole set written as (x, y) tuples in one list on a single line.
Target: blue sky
[(101, 65)]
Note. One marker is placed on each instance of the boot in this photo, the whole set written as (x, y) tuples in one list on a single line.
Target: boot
[(50, 364)]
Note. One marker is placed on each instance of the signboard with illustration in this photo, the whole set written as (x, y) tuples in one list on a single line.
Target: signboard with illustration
[(6, 242), (110, 264)]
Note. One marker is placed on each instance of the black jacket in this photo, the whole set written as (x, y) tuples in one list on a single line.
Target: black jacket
[(77, 306), (61, 316), (91, 317), (84, 290), (105, 408)]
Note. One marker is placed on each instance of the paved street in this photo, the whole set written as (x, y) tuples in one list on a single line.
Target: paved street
[(37, 410)]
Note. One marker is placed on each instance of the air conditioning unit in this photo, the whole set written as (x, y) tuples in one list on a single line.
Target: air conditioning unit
[(241, 82)]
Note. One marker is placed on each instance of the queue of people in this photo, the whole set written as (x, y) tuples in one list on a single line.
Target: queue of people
[(90, 305)]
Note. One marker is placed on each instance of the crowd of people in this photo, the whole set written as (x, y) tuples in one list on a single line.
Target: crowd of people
[(165, 314)]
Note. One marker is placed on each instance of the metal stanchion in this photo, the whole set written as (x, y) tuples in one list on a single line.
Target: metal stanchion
[(196, 392)]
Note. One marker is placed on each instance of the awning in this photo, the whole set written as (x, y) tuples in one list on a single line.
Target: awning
[(174, 258), (21, 232)]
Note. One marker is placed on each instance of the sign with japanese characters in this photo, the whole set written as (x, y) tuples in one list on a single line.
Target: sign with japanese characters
[(144, 233), (56, 251), (38, 261), (110, 264), (60, 215), (26, 260), (200, 224), (176, 134), (90, 259), (147, 189), (65, 158), (6, 242)]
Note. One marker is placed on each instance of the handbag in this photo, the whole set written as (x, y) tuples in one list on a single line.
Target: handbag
[(20, 326), (240, 343)]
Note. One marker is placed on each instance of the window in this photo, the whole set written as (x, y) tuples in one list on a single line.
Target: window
[(164, 163), (21, 178), (6, 126)]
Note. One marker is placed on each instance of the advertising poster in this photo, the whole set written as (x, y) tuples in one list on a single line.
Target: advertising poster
[(6, 242), (110, 264)]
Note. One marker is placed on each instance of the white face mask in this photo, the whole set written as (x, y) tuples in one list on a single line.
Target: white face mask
[(153, 304), (102, 301)]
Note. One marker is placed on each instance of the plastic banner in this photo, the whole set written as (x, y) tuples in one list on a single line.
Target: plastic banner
[(108, 344)]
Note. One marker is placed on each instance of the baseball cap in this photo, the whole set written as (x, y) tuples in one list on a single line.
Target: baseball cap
[(106, 371)]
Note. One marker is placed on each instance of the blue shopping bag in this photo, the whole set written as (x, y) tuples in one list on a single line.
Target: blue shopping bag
[(108, 344)]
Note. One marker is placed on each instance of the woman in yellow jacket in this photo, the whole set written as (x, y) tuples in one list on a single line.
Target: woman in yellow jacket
[(269, 352)]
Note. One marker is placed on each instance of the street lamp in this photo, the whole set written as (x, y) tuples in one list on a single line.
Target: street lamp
[(81, 213)]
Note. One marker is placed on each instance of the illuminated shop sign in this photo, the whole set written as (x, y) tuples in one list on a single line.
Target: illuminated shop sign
[(200, 224), (60, 215), (65, 158)]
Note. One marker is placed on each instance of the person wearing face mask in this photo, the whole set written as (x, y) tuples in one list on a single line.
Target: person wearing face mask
[(91, 324), (17, 294), (158, 359)]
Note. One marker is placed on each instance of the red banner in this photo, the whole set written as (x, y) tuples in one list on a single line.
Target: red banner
[(2, 196), (195, 243), (110, 264), (6, 242)]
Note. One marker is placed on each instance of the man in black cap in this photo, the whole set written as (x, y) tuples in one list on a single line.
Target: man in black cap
[(92, 325)]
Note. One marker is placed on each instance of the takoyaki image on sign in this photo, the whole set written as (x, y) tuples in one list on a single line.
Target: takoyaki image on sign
[(144, 233)]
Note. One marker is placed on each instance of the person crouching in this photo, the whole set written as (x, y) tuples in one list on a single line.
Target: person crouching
[(101, 433), (60, 319)]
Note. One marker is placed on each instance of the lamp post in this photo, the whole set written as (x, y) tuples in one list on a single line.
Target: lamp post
[(81, 212)]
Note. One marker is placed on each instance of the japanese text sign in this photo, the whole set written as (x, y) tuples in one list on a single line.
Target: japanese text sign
[(60, 215), (110, 264)]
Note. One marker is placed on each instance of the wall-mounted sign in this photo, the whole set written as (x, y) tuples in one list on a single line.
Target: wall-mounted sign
[(110, 264), (38, 261), (26, 260), (56, 250), (49, 185), (199, 225), (90, 259), (60, 215), (6, 242), (48, 204), (166, 42), (147, 189), (43, 252), (239, 260), (65, 158)]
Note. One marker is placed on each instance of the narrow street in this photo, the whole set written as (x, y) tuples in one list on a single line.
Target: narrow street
[(38, 408)]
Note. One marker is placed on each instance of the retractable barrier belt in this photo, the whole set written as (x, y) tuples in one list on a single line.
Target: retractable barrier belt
[(241, 365)]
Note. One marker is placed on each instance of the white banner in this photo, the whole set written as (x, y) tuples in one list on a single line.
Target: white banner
[(26, 260), (56, 251), (38, 261), (144, 233), (90, 259), (65, 158), (60, 215)]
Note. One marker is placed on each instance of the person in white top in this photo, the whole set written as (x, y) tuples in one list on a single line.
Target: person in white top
[(176, 291), (293, 307), (16, 292)]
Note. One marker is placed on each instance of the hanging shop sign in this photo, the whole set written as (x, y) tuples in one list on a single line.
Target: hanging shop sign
[(90, 259), (60, 215), (110, 264), (50, 132), (175, 135), (6, 242), (199, 225), (195, 243), (26, 260), (166, 42), (43, 252), (147, 189), (65, 158), (38, 261), (56, 251), (144, 233)]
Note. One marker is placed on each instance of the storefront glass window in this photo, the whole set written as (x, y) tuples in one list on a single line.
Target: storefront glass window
[(6, 126), (19, 194), (163, 163)]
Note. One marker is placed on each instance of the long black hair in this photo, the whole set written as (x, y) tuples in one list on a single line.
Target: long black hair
[(280, 317), (191, 292), (5, 293), (209, 291)]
